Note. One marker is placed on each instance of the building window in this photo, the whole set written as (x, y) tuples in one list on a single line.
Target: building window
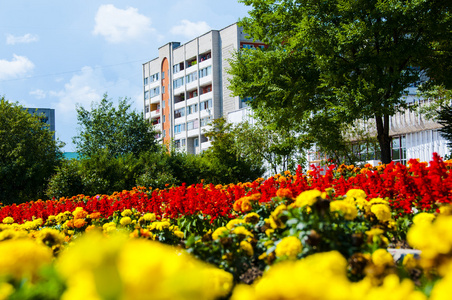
[(146, 81), (179, 128), (163, 75), (192, 94), (163, 103), (191, 77), (398, 150), (163, 133), (205, 121), (196, 142), (155, 92), (146, 95), (154, 77), (191, 62), (163, 90), (206, 104), (178, 67), (192, 109), (193, 124), (205, 56), (164, 119), (206, 89), (178, 82), (179, 112), (204, 72), (147, 108)]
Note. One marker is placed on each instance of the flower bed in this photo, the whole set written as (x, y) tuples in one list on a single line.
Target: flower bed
[(296, 236)]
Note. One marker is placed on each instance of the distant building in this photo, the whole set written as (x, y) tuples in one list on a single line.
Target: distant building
[(186, 86), (47, 116)]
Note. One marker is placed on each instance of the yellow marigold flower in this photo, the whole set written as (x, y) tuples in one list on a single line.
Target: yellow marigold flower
[(6, 290), (8, 220), (252, 218), (22, 258), (240, 230), (349, 210), (381, 211), (246, 246), (125, 221), (362, 203), (126, 213), (149, 217), (234, 222), (446, 210), (289, 246), (441, 289), (356, 193), (11, 234), (378, 201), (38, 222), (307, 198), (269, 232), (381, 257), (218, 232), (255, 197), (392, 288), (409, 261), (50, 237), (423, 217), (179, 234), (278, 210)]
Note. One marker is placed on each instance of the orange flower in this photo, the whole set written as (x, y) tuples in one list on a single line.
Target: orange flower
[(79, 213), (284, 193), (79, 223), (246, 205), (95, 215), (237, 205)]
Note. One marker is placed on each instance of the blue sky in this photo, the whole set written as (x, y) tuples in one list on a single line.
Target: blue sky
[(59, 54)]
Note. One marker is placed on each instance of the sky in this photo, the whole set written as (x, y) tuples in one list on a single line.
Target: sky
[(63, 54)]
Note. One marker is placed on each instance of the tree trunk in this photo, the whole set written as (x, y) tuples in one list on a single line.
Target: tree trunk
[(384, 140)]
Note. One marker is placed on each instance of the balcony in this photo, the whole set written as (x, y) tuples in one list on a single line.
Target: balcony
[(156, 99), (155, 113)]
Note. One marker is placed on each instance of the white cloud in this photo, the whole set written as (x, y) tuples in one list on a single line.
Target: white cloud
[(190, 29), (120, 25), (18, 66), (39, 94), (27, 38)]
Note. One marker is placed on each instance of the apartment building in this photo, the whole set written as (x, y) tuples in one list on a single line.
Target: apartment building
[(186, 86)]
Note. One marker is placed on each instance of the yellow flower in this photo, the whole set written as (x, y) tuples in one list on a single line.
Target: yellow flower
[(381, 211), (22, 258), (348, 209), (246, 246), (289, 246), (356, 193), (252, 218), (125, 221), (307, 198), (234, 222), (50, 237), (126, 213), (8, 220), (149, 217), (218, 232), (240, 230), (246, 205), (79, 223), (409, 261), (179, 234), (381, 257), (423, 217)]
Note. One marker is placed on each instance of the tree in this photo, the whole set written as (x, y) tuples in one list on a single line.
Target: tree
[(279, 150), (343, 60), (119, 131), (28, 154), (225, 163)]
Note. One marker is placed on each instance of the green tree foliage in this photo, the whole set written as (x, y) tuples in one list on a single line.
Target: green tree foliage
[(117, 130), (338, 61), (225, 163), (438, 97), (279, 149), (28, 154)]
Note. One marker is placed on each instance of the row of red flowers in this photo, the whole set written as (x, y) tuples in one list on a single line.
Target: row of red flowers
[(419, 185)]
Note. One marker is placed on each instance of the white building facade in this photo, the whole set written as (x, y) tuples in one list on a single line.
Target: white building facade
[(186, 87)]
